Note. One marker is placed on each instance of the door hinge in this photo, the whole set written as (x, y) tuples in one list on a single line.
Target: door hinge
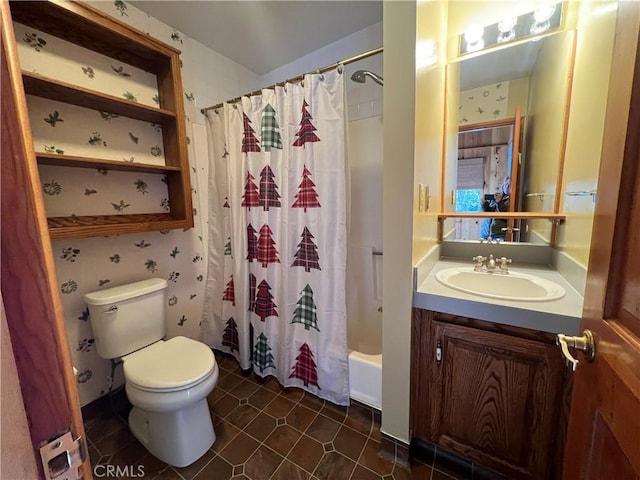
[(62, 457)]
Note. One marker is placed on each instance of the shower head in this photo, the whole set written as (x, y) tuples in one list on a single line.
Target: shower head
[(361, 75)]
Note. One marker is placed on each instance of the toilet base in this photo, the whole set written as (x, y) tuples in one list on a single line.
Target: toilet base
[(178, 438)]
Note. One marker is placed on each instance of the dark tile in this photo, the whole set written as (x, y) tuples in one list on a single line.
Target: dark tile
[(300, 417), (361, 473), (376, 434), (271, 383), (114, 442), (349, 442), (167, 474), (289, 471), (387, 447), (312, 401), (239, 449), (242, 416), (292, 393), (419, 471), (151, 465), (225, 432), (421, 451), (452, 464), (94, 455), (229, 382), (214, 396), (261, 398), (129, 454), (262, 464), (283, 439), (225, 405), (370, 459), (190, 471), (334, 466), (335, 412), (306, 453), (402, 454), (218, 468), (261, 426), (377, 418), (438, 475), (103, 426), (323, 429), (279, 407), (244, 389), (359, 418)]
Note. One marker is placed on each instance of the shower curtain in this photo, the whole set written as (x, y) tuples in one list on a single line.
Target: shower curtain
[(275, 288)]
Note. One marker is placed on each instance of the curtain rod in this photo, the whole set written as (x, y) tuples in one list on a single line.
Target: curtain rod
[(346, 61)]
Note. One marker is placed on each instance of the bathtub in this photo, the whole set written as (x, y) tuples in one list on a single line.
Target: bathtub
[(365, 378)]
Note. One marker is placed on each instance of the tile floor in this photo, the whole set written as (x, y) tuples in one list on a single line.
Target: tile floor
[(263, 432)]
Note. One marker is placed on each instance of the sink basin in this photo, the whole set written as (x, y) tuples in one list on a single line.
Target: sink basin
[(512, 286)]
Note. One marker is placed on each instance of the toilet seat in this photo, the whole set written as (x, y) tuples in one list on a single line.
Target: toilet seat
[(168, 366)]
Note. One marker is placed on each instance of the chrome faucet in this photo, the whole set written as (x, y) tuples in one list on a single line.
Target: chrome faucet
[(491, 264)]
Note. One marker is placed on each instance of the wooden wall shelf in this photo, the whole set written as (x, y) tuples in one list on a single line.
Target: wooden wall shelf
[(88, 27), (41, 86), (86, 162)]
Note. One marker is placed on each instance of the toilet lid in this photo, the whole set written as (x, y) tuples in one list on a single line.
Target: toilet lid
[(169, 364)]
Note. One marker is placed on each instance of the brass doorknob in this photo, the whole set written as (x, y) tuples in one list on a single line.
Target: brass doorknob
[(586, 343)]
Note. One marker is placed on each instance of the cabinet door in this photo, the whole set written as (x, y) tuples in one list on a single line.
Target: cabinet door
[(496, 399)]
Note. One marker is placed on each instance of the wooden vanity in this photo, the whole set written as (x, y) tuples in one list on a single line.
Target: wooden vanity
[(494, 394)]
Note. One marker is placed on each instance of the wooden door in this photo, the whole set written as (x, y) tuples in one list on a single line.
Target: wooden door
[(604, 429), (495, 399), (29, 284)]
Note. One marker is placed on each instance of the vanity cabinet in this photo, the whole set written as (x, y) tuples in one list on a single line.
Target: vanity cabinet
[(493, 394), (85, 26)]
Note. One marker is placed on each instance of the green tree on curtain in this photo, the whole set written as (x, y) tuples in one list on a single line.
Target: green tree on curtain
[(307, 254), (305, 312), (262, 356), (230, 335), (270, 129)]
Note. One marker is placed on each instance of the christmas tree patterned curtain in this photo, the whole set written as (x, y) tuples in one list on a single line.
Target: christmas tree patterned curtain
[(277, 235)]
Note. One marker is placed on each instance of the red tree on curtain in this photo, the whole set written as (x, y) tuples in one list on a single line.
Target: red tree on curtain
[(230, 335), (252, 292), (307, 254), (265, 307), (267, 252), (269, 196), (305, 132), (305, 367), (249, 141), (229, 292), (252, 243), (250, 197), (306, 197)]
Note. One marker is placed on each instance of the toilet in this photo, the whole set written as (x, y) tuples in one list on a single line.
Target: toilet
[(166, 381)]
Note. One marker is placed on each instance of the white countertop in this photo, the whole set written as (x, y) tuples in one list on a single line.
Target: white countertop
[(555, 316)]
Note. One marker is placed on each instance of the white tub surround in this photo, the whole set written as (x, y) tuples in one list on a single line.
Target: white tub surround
[(365, 378)]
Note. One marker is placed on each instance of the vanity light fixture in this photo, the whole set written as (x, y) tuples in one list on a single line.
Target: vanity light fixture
[(473, 38), (510, 29)]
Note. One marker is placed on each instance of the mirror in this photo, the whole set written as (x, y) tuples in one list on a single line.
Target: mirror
[(507, 120)]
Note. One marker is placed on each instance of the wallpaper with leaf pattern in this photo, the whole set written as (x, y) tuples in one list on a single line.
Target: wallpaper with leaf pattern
[(85, 265), (483, 104)]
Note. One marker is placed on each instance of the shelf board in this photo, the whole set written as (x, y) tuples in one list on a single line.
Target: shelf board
[(515, 215), (85, 162), (95, 30), (41, 86), (105, 225)]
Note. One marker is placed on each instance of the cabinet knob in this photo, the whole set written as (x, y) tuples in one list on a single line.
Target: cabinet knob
[(585, 343)]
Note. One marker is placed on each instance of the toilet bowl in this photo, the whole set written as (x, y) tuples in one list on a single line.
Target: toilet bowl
[(166, 381)]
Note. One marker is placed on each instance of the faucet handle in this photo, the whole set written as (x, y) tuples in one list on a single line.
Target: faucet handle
[(503, 264), (479, 259)]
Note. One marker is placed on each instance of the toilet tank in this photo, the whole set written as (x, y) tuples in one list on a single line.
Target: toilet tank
[(128, 317)]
